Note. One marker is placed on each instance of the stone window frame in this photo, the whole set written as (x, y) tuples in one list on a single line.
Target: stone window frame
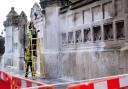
[(103, 9), (117, 28), (104, 26), (98, 37), (64, 38), (85, 29), (91, 17), (78, 37), (75, 19), (71, 37), (92, 12), (120, 11)]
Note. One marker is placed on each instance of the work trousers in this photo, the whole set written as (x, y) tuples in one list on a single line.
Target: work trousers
[(27, 68)]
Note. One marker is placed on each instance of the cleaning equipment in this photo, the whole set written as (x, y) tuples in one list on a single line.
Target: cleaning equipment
[(35, 50), (40, 54), (38, 51)]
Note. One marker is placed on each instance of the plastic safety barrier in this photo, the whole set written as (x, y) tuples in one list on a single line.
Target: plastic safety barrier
[(5, 80), (43, 87), (111, 82), (15, 82), (19, 82), (115, 82)]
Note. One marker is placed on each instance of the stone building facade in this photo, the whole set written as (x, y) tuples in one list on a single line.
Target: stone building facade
[(15, 27), (85, 39), (80, 39), (93, 36)]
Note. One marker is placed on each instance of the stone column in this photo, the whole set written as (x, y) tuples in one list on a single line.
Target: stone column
[(11, 23)]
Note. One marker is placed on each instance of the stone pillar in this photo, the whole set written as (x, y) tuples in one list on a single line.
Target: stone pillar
[(52, 48), (11, 25), (22, 39)]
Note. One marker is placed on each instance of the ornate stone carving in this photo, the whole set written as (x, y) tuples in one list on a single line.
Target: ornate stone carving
[(12, 18)]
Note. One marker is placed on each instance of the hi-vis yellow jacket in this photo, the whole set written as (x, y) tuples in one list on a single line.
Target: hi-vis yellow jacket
[(29, 32), (28, 57)]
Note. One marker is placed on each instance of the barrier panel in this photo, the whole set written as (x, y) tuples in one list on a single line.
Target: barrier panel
[(5, 80), (19, 83), (114, 82), (110, 82), (42, 87), (15, 82)]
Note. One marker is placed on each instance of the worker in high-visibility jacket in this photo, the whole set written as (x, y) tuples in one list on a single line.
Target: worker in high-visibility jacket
[(30, 52), (32, 33), (29, 31), (28, 61)]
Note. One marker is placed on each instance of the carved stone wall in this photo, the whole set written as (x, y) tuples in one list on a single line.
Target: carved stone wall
[(90, 38), (101, 36)]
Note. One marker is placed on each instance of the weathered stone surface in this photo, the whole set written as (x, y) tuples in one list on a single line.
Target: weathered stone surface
[(85, 65), (15, 26), (65, 45)]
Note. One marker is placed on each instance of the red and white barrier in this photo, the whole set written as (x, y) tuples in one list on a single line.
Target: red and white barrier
[(15, 82), (19, 82), (115, 82), (111, 82), (5, 80)]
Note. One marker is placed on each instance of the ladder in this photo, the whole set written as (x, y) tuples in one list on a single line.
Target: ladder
[(38, 51)]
